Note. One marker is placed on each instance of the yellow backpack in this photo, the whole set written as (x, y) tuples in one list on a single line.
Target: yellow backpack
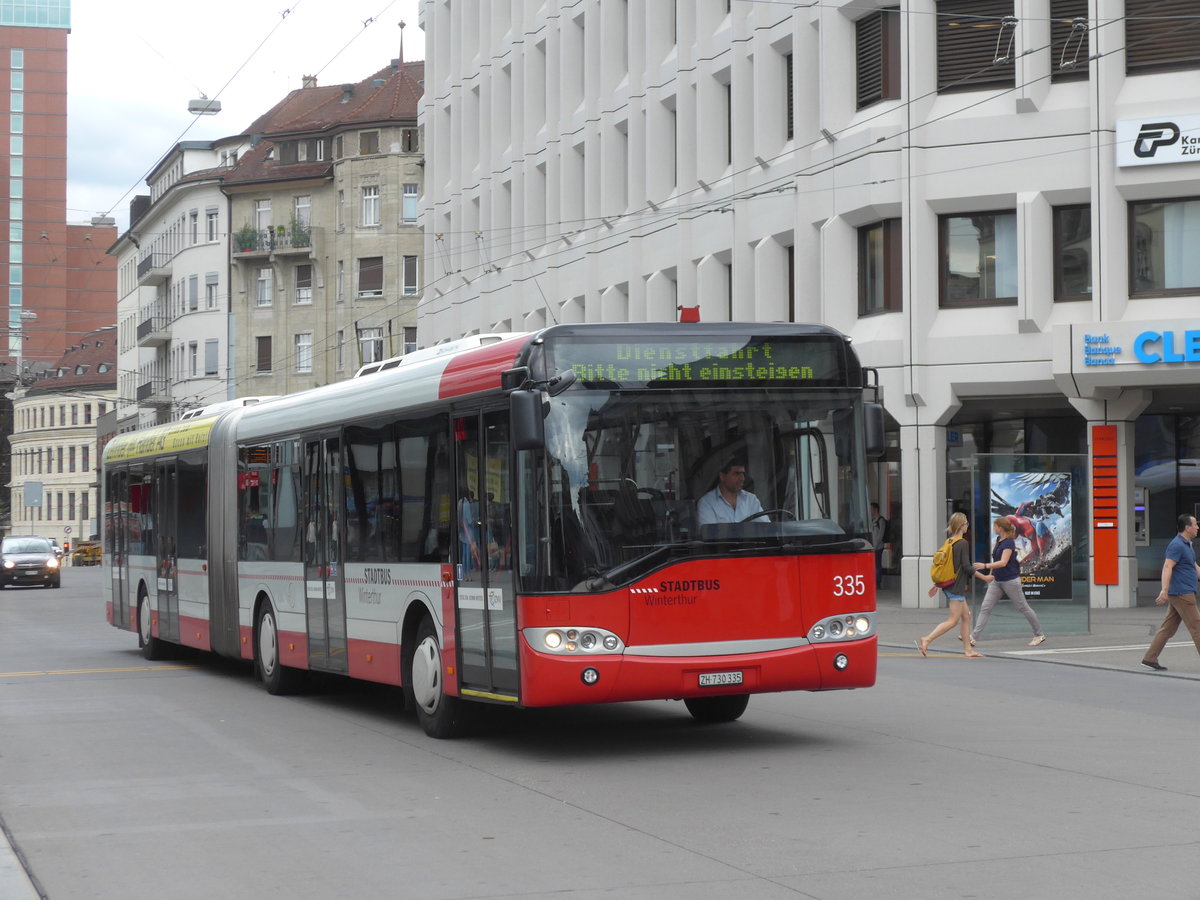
[(942, 571)]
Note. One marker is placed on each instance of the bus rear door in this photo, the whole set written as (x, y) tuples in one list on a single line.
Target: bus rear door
[(166, 504), (324, 576), (485, 601)]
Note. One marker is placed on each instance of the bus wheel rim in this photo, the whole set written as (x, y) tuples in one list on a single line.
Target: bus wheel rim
[(426, 676), (144, 619), (268, 645)]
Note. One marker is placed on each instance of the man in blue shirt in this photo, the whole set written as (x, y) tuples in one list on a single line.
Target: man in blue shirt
[(1179, 573), (727, 502)]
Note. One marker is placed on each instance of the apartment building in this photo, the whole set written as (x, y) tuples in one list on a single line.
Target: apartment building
[(997, 200), (326, 248)]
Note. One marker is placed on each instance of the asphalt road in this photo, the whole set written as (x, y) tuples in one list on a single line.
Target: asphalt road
[(121, 778)]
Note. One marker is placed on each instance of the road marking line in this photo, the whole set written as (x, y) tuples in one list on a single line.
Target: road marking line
[(1112, 648), (94, 671)]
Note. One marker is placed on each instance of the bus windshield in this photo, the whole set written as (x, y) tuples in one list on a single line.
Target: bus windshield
[(616, 492)]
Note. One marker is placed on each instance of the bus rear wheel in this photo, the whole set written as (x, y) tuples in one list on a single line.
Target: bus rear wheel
[(152, 647), (278, 678), (441, 715), (726, 708)]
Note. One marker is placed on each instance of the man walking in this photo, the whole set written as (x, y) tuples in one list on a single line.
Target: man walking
[(1179, 573)]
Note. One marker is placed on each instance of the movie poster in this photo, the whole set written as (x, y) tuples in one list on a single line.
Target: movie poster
[(1039, 504)]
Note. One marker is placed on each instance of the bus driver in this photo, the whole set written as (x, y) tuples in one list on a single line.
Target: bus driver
[(727, 502)]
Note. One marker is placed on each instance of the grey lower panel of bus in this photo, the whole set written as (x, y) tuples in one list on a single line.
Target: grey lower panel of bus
[(717, 648)]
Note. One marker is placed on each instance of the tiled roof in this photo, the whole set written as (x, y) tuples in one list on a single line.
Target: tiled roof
[(80, 365), (393, 94)]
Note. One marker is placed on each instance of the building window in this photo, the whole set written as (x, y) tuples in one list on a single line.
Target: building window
[(1160, 36), (877, 45), (193, 293), (210, 356), (71, 459), (1070, 40), (880, 285), (211, 284), (87, 414), (262, 215), (370, 205), (410, 275), (410, 338), (370, 276), (410, 203), (340, 280), (971, 36), (339, 147), (75, 411), (370, 345), (1164, 235), (83, 506), (302, 211), (262, 287), (789, 75), (368, 142), (409, 140), (304, 283), (978, 259), (262, 353), (212, 226), (193, 358), (304, 352), (1073, 253), (194, 227), (86, 462)]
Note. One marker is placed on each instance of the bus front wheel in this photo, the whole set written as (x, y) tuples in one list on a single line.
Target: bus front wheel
[(278, 678), (441, 716), (726, 708), (152, 647)]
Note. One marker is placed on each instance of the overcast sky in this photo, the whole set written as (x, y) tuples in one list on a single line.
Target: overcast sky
[(135, 64)]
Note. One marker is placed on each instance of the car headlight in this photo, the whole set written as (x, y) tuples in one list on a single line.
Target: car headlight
[(9, 564), (52, 563)]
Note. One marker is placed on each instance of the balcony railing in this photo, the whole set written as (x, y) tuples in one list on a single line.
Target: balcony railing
[(153, 393), (281, 239), (153, 331), (153, 268)]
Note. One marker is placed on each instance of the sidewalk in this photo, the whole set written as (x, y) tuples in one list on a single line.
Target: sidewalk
[(1117, 639)]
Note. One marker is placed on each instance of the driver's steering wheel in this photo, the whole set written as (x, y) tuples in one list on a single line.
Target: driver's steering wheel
[(767, 512)]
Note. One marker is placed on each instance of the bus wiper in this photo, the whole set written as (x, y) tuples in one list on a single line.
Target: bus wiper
[(615, 576)]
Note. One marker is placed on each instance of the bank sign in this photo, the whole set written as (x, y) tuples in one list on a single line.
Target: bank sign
[(1156, 140), (1148, 346)]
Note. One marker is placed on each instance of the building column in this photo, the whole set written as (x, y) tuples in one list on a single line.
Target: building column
[(1112, 569), (923, 509)]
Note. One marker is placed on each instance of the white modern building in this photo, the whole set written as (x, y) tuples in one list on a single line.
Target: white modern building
[(998, 200), (173, 287)]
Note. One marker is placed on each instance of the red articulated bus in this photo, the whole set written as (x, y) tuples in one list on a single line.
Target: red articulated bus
[(522, 522)]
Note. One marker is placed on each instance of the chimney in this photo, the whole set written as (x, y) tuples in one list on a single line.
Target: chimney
[(347, 90), (308, 81)]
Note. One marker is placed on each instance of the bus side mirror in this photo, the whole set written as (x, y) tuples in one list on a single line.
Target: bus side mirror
[(528, 420), (876, 443)]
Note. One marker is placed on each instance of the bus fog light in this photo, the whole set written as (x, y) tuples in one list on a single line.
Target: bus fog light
[(589, 675), (553, 640), (818, 632), (610, 642), (840, 662), (835, 628), (863, 624), (588, 641)]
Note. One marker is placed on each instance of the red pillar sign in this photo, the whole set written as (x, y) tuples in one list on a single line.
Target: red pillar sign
[(1105, 545)]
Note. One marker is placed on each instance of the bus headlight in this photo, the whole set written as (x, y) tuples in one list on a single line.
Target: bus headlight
[(854, 626), (573, 641)]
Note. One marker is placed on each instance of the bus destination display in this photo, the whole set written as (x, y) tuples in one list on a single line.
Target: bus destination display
[(661, 362)]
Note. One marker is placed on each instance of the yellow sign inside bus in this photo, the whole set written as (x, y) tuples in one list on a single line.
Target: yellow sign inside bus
[(158, 441)]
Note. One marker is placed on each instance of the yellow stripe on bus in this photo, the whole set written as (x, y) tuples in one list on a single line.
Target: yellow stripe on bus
[(485, 695), (162, 439)]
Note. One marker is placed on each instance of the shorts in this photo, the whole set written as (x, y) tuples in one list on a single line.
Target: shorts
[(958, 598)]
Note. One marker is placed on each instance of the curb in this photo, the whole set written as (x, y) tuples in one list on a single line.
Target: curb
[(1011, 657)]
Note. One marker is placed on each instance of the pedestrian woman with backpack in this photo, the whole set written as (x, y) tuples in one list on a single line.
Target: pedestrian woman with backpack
[(1005, 581), (956, 591)]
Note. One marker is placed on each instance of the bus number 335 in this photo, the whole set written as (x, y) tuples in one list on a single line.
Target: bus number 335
[(849, 585)]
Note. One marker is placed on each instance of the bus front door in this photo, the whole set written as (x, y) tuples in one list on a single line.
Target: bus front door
[(485, 601), (166, 504), (116, 525), (324, 577)]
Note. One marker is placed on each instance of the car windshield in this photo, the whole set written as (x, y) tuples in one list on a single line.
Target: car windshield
[(25, 545), (621, 487)]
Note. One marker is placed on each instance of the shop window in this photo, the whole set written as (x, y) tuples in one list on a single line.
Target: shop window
[(978, 259), (1161, 36), (1072, 253), (880, 288), (877, 45), (974, 44), (1164, 235), (1070, 40)]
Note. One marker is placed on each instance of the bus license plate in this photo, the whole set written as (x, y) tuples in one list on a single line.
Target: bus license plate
[(716, 679)]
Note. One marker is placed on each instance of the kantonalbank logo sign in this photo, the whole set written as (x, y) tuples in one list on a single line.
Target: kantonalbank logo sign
[(1156, 140), (1148, 347)]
